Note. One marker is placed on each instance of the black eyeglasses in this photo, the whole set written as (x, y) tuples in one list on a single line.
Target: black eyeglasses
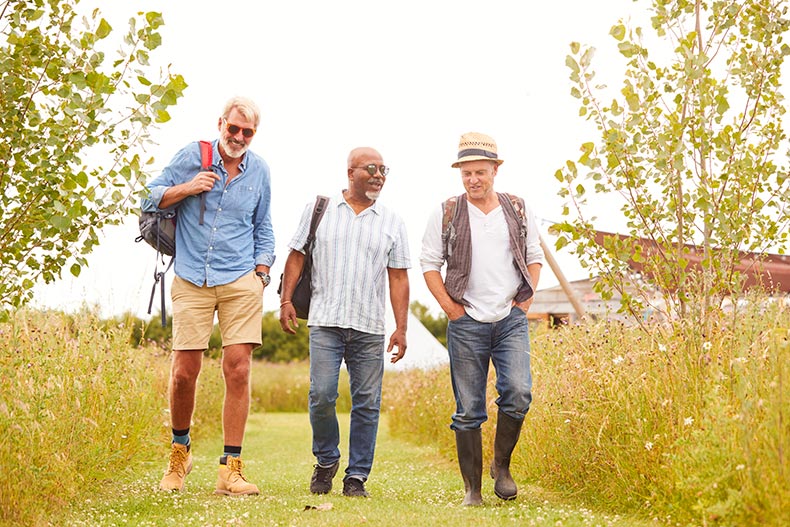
[(372, 169), (234, 129)]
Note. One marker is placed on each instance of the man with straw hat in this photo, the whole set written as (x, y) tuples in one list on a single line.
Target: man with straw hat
[(491, 246)]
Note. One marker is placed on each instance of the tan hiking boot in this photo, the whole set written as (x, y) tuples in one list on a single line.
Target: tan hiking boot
[(231, 482), (180, 465)]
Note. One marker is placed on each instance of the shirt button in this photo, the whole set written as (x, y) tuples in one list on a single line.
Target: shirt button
[(219, 209)]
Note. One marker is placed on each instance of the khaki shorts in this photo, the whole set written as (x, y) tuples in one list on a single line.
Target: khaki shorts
[(239, 307)]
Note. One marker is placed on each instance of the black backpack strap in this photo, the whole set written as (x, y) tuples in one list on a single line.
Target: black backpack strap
[(159, 278), (318, 212)]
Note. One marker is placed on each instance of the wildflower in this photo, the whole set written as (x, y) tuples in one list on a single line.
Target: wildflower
[(688, 421), (617, 360), (662, 348), (648, 445), (740, 467), (707, 346)]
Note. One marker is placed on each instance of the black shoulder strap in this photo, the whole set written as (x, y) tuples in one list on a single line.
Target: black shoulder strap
[(318, 212)]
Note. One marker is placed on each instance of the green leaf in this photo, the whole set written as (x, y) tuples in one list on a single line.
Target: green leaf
[(618, 32), (154, 19), (587, 57), (75, 269), (104, 29), (572, 64), (627, 49), (559, 176), (82, 179), (60, 222), (722, 105)]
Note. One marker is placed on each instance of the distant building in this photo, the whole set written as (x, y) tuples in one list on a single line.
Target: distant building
[(553, 307), (770, 272)]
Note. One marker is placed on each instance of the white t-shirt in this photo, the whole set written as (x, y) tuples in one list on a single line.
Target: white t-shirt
[(493, 279)]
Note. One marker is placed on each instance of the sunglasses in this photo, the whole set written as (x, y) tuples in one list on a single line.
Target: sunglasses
[(372, 169), (234, 129)]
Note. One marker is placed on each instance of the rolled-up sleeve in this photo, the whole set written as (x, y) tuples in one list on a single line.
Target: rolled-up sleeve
[(534, 250), (432, 253)]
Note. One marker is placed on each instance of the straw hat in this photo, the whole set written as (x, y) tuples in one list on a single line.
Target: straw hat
[(475, 146)]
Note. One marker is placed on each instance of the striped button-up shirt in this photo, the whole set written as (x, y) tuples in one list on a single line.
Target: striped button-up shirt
[(350, 260)]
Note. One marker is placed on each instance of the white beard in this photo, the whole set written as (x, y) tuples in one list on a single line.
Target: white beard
[(233, 150)]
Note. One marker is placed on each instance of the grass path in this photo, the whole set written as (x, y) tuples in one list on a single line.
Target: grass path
[(409, 485)]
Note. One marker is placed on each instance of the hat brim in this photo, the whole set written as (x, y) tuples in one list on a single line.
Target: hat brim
[(476, 158)]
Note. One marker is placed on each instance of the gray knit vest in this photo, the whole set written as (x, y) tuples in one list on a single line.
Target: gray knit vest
[(459, 258)]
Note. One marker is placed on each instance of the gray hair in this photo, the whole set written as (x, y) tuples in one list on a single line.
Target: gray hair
[(245, 106)]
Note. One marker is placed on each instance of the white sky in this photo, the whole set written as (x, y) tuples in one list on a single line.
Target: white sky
[(406, 77)]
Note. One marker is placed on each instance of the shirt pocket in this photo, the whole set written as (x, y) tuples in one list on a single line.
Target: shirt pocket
[(240, 201)]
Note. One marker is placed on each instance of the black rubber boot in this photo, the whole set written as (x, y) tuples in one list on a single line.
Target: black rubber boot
[(469, 444), (507, 433)]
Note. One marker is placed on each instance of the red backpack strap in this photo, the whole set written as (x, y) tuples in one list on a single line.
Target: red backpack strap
[(206, 160), (206, 155)]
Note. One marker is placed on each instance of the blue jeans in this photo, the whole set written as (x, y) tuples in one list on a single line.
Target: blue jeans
[(472, 345), (364, 357)]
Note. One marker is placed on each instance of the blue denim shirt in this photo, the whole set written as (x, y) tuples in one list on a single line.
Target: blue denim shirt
[(236, 234)]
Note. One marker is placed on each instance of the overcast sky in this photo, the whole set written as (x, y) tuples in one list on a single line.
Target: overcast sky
[(406, 77)]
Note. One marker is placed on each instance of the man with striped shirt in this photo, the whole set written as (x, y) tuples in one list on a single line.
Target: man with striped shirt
[(357, 240)]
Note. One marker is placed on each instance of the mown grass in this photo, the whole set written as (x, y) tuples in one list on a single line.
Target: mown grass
[(409, 485), (688, 425)]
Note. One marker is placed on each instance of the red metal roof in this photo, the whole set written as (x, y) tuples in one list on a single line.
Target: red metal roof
[(771, 271)]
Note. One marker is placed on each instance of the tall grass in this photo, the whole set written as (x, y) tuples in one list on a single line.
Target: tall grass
[(688, 425), (284, 387), (80, 407), (77, 407)]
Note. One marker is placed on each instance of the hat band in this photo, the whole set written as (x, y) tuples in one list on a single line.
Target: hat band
[(476, 152)]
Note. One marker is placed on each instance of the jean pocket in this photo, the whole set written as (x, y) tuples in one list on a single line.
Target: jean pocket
[(458, 319)]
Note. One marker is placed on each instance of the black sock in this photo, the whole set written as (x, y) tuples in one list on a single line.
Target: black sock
[(181, 437), (234, 451)]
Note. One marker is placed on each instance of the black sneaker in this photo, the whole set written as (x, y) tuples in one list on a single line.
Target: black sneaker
[(354, 488), (321, 482)]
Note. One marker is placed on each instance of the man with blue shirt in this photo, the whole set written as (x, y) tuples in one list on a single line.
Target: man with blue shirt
[(359, 246), (224, 247)]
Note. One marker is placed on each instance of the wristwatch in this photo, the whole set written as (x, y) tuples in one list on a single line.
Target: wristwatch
[(265, 278)]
